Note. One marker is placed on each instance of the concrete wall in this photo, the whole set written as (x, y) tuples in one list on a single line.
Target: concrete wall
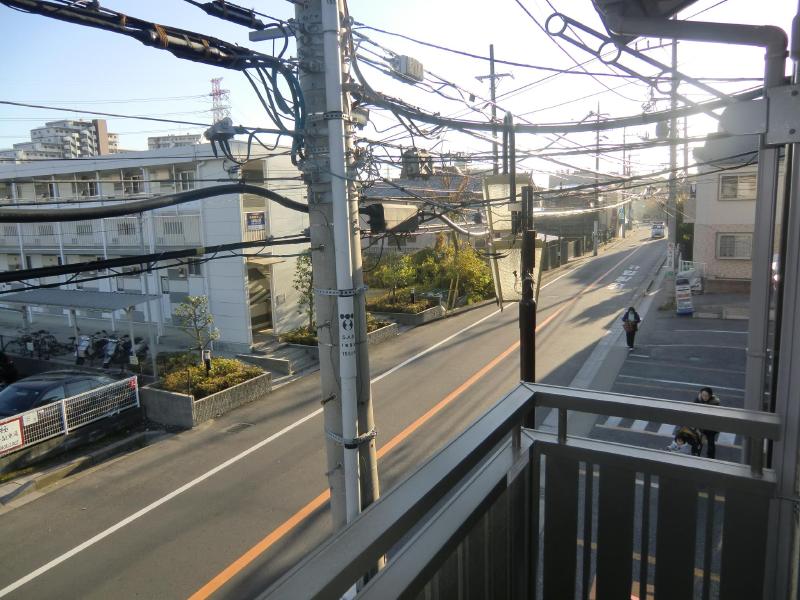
[(167, 408), (284, 221), (431, 314), (182, 411)]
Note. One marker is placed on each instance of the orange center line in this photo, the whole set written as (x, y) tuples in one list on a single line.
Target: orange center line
[(287, 526)]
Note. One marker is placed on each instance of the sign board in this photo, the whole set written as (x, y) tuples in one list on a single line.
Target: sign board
[(683, 297), (30, 418), (11, 435), (255, 221)]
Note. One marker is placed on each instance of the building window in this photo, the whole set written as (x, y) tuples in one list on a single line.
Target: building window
[(45, 229), (84, 188), (10, 230), (185, 181), (195, 267), (14, 262), (134, 184), (172, 227), (737, 187), (84, 228), (126, 228), (734, 245)]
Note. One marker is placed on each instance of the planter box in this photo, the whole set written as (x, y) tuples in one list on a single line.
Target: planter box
[(183, 411), (383, 334), (431, 314)]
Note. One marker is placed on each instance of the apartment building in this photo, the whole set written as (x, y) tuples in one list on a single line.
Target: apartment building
[(248, 293), (724, 205), (173, 141), (66, 139)]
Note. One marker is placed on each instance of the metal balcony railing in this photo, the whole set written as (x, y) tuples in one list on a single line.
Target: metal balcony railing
[(507, 512)]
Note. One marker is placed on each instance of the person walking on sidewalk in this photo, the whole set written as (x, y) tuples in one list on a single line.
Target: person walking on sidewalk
[(706, 396), (630, 323)]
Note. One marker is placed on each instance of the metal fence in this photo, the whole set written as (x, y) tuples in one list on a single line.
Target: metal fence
[(508, 512), (59, 418)]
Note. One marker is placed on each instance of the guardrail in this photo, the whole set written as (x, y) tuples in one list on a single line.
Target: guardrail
[(59, 418), (507, 512)]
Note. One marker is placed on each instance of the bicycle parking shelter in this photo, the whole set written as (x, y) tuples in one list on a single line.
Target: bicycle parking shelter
[(74, 300)]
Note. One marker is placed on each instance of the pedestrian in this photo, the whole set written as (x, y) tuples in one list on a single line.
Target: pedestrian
[(687, 440), (630, 323), (706, 396)]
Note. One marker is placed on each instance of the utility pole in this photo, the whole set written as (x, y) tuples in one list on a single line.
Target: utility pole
[(492, 77), (336, 259), (624, 185), (596, 180), (672, 202)]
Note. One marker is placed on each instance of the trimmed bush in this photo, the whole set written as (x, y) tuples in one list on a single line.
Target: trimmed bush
[(192, 378), (303, 336), (400, 303)]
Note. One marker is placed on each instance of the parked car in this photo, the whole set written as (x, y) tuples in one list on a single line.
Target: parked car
[(8, 370), (46, 388), (657, 231)]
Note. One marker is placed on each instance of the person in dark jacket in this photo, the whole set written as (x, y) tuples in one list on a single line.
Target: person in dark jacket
[(706, 396), (630, 323)]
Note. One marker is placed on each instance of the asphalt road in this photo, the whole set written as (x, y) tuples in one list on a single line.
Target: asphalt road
[(225, 509)]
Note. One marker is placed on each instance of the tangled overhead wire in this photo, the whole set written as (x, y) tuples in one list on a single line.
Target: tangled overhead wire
[(285, 107)]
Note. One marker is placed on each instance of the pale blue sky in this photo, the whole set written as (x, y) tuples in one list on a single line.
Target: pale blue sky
[(51, 62)]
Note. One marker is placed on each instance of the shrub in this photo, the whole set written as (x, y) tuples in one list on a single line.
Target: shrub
[(401, 303), (303, 336), (192, 379)]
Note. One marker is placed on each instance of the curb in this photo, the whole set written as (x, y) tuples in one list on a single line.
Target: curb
[(54, 475)]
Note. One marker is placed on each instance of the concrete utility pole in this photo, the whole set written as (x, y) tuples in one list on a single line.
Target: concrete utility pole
[(672, 202), (336, 258)]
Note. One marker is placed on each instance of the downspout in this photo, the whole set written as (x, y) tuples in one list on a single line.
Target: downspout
[(774, 41)]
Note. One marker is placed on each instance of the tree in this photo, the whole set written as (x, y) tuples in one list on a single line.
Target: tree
[(304, 284), (197, 322), (396, 272)]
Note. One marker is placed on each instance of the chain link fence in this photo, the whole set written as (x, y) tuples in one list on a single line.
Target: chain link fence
[(59, 418)]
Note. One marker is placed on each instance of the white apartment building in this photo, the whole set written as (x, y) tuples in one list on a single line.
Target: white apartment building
[(173, 141), (247, 294), (724, 206), (66, 139)]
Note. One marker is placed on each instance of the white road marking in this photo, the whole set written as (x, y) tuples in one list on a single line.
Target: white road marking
[(686, 383), (708, 331), (666, 429), (187, 486), (152, 506)]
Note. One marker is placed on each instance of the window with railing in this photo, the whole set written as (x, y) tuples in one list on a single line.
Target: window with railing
[(9, 230), (172, 227), (126, 228), (45, 229), (84, 228), (84, 189)]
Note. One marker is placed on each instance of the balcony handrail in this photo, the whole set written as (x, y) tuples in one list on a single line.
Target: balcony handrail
[(336, 564), (748, 423)]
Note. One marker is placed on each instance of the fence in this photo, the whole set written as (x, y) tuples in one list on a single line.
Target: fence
[(504, 511), (59, 418)]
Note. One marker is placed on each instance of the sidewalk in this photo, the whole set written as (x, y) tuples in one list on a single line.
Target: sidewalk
[(674, 357)]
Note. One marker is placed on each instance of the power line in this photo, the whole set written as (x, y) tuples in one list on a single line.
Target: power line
[(21, 215), (142, 259)]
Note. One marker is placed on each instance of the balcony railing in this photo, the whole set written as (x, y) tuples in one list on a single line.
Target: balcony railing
[(507, 512)]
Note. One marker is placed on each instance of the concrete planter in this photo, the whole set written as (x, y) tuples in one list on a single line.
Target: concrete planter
[(426, 316), (384, 333), (183, 411)]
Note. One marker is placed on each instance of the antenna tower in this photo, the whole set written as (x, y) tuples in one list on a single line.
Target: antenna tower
[(221, 100)]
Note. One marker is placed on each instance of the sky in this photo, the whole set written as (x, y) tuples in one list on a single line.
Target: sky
[(70, 66)]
